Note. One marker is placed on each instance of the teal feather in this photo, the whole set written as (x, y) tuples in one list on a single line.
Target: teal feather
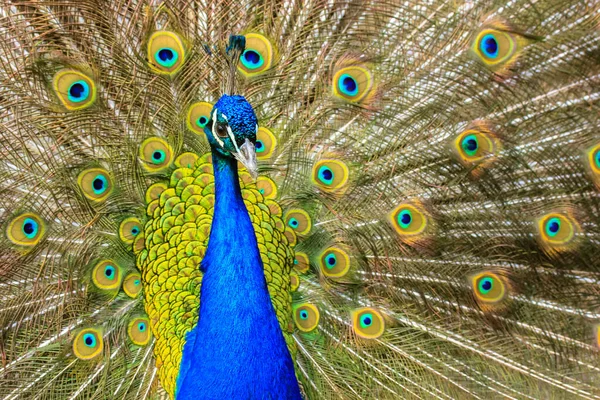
[(457, 196)]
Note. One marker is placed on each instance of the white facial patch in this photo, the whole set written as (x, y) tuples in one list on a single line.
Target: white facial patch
[(214, 118)]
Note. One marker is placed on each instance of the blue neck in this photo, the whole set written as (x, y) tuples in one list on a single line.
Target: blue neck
[(237, 350)]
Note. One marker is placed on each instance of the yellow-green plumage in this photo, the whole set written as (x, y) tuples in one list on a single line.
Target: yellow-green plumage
[(460, 194), (176, 236)]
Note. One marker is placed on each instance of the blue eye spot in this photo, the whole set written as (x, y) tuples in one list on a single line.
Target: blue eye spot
[(135, 230), (552, 227), (260, 147), (326, 175), (251, 59), (142, 326), (78, 91), (136, 282), (30, 228), (261, 191), (89, 340), (158, 156), (404, 219), (202, 121), (348, 85), (489, 46), (470, 145), (303, 314), (485, 285), (293, 223), (597, 159), (99, 184), (366, 320), (109, 272), (166, 57), (331, 260)]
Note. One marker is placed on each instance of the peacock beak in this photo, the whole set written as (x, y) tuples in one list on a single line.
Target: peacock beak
[(247, 156)]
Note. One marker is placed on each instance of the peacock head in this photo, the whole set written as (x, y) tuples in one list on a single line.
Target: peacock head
[(232, 129)]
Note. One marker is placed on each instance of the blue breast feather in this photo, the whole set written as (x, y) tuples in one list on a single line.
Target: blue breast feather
[(237, 349)]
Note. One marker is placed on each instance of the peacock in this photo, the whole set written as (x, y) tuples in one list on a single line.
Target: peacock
[(284, 199)]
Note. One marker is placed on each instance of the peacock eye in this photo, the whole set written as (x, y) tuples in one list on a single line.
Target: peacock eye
[(221, 130)]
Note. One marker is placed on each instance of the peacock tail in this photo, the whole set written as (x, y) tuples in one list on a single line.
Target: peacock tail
[(426, 210)]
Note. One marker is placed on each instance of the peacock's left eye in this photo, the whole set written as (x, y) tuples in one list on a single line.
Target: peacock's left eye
[(138, 331), (75, 90), (165, 52), (220, 128), (26, 229), (368, 323), (335, 262)]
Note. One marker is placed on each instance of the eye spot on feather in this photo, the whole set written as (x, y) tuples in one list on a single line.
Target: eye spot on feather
[(156, 154), (95, 183), (132, 284), (266, 187), (106, 275), (556, 231), (301, 263), (408, 220), (294, 281), (129, 229), (26, 229), (306, 317), (476, 145), (198, 116), (592, 163), (138, 331), (265, 143), (498, 47), (75, 90), (258, 56), (489, 46), (166, 52), (330, 175), (299, 221), (353, 84), (335, 262), (368, 323), (88, 344), (488, 287)]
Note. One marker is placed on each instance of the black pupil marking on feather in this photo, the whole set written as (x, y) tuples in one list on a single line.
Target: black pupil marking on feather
[(331, 260), (165, 54), (367, 321), (491, 46), (553, 227), (76, 90), (156, 155), (295, 223), (327, 174), (135, 231), (203, 120), (88, 341), (28, 228), (252, 56), (486, 285), (98, 184), (471, 145), (349, 84), (259, 145), (108, 272), (405, 218)]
